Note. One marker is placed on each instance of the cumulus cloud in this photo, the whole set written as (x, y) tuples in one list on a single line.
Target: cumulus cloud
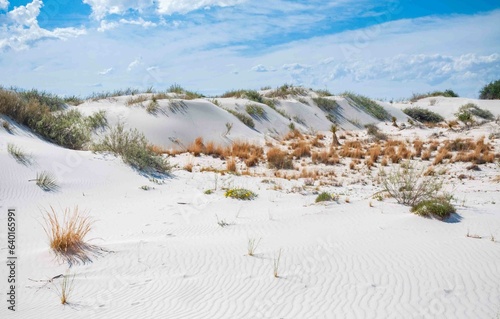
[(106, 25), (4, 4), (183, 6), (22, 29), (141, 22), (134, 64), (263, 68)]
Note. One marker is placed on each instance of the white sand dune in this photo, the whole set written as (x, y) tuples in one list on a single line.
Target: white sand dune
[(168, 258)]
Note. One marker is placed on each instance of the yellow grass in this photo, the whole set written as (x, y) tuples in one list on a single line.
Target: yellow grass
[(67, 233)]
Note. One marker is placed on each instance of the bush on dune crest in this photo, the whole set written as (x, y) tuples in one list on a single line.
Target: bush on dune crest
[(490, 91), (134, 149), (423, 115)]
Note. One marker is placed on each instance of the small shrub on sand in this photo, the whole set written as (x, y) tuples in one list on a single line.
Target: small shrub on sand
[(279, 159), (255, 110), (245, 119), (67, 234), (240, 193), (323, 197), (252, 246), (231, 165), (134, 149), (407, 185), (326, 104), (19, 155), (46, 181), (439, 208), (66, 287), (368, 105), (423, 115)]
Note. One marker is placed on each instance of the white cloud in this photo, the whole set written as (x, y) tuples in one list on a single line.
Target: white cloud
[(105, 71), (141, 22), (105, 25), (263, 68), (22, 29), (183, 6), (134, 64), (102, 8), (4, 4)]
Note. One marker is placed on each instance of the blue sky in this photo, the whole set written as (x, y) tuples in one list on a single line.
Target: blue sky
[(383, 49)]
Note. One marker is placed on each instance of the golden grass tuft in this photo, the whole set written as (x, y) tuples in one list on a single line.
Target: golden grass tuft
[(276, 158), (301, 149), (67, 233), (231, 165), (197, 147)]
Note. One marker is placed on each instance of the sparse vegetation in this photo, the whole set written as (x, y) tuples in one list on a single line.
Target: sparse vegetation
[(66, 288), (476, 111), (19, 155), (245, 119), (368, 105), (252, 246), (446, 93), (276, 264), (323, 197), (255, 110), (276, 158), (326, 104), (134, 149), (374, 131), (286, 90), (423, 115)]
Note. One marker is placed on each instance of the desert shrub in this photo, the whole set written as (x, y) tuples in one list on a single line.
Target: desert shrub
[(134, 149), (255, 110), (408, 185), (374, 131), (445, 93), (96, 96), (68, 129), (252, 95), (46, 181), (97, 120), (73, 100), (276, 158), (187, 95), (325, 104), (245, 119), (19, 155), (477, 111), (368, 105), (490, 91), (323, 92), (240, 193), (286, 90), (423, 115), (323, 197), (440, 208), (52, 101)]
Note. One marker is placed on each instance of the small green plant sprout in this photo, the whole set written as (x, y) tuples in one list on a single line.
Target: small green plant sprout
[(208, 192), (378, 196), (229, 126), (221, 222), (145, 187), (252, 246), (291, 126), (240, 193), (66, 288), (324, 197), (276, 264), (45, 181), (19, 155)]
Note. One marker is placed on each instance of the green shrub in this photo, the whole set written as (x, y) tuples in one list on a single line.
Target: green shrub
[(19, 155), (255, 110), (96, 96), (324, 92), (445, 93), (286, 90), (423, 115), (477, 111), (134, 149), (97, 120), (245, 119), (408, 185), (324, 197), (68, 129), (53, 102), (439, 208), (325, 104), (490, 91), (240, 193), (368, 105)]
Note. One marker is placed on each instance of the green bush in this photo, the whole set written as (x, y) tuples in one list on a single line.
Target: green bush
[(286, 90), (68, 129), (423, 115), (368, 105), (445, 93), (255, 110), (439, 208), (134, 149), (477, 111), (325, 104), (97, 120), (324, 197), (245, 119), (490, 91)]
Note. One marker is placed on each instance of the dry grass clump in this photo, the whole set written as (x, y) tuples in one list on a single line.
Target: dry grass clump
[(137, 99), (442, 154), (325, 157), (245, 150), (279, 159), (301, 149), (352, 149), (197, 147), (426, 155), (214, 150), (418, 145), (293, 134), (231, 165), (67, 233)]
